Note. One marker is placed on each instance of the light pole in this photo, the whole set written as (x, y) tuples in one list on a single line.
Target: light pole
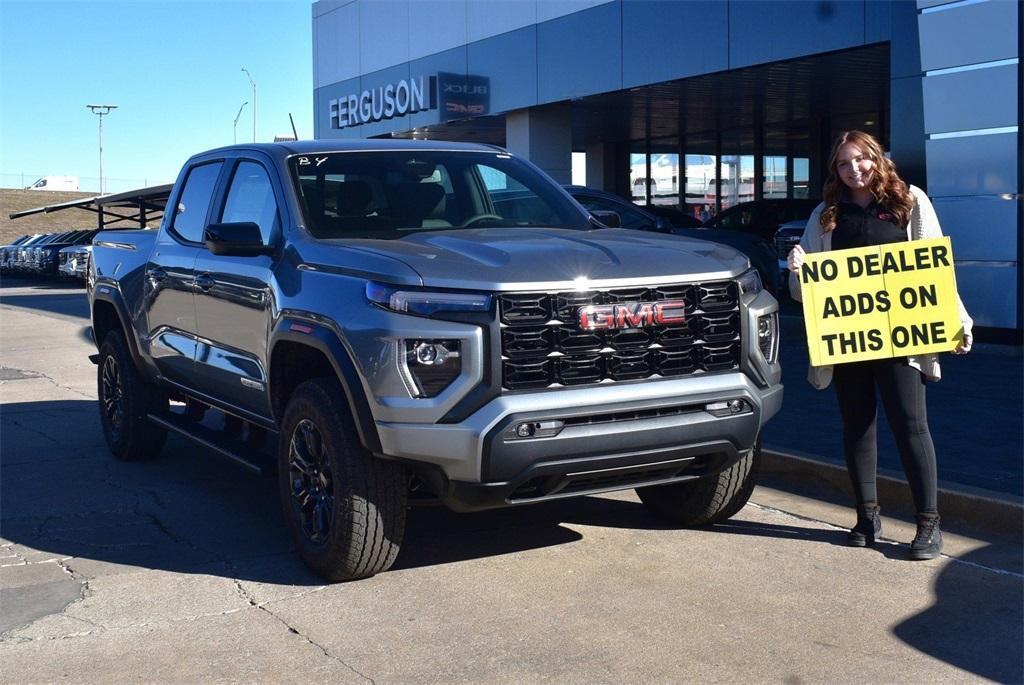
[(253, 103), (100, 111), (236, 120)]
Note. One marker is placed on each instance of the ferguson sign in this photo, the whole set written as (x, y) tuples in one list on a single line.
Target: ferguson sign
[(384, 102)]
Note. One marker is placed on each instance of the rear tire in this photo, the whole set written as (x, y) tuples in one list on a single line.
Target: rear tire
[(344, 507), (124, 400), (707, 500)]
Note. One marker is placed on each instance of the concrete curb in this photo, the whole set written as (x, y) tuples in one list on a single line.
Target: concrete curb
[(962, 507)]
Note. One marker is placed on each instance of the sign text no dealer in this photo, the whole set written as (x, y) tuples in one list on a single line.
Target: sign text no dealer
[(879, 302)]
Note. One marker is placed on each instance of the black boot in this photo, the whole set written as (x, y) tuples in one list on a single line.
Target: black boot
[(868, 528), (928, 542)]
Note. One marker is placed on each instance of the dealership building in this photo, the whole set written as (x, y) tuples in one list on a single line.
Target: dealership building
[(706, 102)]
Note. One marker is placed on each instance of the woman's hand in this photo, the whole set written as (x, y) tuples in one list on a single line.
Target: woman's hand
[(795, 259), (965, 346)]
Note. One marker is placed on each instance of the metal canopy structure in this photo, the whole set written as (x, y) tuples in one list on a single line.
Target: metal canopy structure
[(135, 207)]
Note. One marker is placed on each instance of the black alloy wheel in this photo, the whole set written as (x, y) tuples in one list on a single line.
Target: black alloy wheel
[(344, 507), (125, 400), (112, 397), (312, 484)]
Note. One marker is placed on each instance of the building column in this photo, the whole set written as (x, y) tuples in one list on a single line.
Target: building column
[(602, 166), (543, 135)]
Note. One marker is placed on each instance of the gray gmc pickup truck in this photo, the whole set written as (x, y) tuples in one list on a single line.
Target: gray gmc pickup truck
[(382, 323)]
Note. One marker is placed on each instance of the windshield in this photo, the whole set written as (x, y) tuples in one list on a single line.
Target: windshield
[(390, 194)]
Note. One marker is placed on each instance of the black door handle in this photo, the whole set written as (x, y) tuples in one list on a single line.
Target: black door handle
[(204, 282)]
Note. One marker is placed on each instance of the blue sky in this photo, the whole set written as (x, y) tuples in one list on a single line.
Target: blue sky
[(173, 69)]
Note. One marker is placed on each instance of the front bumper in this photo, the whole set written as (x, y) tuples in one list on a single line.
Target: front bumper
[(613, 436)]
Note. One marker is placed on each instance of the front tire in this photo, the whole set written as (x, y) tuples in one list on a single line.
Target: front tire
[(344, 507), (124, 400), (708, 500)]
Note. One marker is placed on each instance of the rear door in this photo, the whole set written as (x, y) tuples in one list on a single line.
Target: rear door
[(170, 276), (234, 300)]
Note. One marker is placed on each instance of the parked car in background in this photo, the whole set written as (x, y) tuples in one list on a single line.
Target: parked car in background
[(33, 256), (22, 253), (677, 218), (759, 252), (786, 238), (763, 217), (47, 259), (7, 252), (73, 261)]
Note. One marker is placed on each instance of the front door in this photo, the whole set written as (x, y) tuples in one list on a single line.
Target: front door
[(235, 301)]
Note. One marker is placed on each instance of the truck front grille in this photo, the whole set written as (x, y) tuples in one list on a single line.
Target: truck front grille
[(542, 344)]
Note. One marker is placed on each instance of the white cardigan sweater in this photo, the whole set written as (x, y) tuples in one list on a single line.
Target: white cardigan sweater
[(923, 224)]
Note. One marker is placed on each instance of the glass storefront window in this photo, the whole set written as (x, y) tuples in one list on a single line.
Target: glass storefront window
[(737, 179), (774, 180), (579, 168), (801, 177), (638, 178), (665, 179), (701, 189)]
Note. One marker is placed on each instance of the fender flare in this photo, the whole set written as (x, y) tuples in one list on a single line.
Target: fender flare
[(111, 294), (326, 340)]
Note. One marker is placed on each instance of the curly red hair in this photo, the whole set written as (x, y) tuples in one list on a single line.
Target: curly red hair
[(889, 189)]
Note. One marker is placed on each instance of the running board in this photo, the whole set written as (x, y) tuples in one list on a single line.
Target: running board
[(224, 446)]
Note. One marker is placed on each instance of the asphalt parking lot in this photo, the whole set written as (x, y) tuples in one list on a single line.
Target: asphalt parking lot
[(180, 570)]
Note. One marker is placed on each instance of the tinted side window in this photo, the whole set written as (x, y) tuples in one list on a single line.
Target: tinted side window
[(190, 219), (251, 198)]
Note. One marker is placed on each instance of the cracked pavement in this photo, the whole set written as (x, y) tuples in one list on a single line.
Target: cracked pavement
[(180, 570)]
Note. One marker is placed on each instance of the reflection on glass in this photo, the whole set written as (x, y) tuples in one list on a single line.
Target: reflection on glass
[(665, 179), (801, 178), (701, 187), (774, 182), (579, 168), (737, 183), (638, 178)]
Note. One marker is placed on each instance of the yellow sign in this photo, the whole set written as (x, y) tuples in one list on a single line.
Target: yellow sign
[(880, 302)]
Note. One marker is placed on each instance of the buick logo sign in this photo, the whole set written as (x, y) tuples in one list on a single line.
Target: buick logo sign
[(631, 315)]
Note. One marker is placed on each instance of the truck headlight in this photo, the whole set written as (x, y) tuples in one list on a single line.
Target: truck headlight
[(768, 336), (750, 282), (425, 302), (429, 366)]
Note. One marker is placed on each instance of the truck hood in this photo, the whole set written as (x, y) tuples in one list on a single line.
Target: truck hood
[(554, 259)]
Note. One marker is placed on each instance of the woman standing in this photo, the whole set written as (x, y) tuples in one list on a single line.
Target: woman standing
[(867, 203)]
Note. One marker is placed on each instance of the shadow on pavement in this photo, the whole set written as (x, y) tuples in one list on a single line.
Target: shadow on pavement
[(191, 512), (65, 304), (973, 626), (9, 282)]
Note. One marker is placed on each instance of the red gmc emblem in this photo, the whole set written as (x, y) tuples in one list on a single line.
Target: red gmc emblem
[(632, 314)]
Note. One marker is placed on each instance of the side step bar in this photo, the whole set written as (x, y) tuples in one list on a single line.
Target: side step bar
[(230, 448)]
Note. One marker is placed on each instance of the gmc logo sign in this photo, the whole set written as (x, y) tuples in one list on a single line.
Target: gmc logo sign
[(631, 315)]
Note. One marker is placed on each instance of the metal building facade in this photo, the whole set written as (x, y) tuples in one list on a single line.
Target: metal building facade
[(748, 91)]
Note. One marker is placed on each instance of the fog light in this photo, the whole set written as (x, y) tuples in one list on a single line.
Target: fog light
[(535, 429), (768, 336), (429, 354), (429, 366), (728, 408)]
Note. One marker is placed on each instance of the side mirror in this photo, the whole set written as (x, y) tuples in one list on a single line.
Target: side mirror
[(241, 239), (663, 225), (608, 218)]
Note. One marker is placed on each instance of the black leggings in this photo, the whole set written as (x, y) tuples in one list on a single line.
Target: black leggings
[(901, 388)]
